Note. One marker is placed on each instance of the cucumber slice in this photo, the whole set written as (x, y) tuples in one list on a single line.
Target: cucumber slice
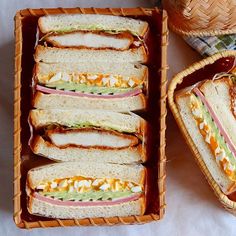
[(88, 89), (219, 138), (87, 196)]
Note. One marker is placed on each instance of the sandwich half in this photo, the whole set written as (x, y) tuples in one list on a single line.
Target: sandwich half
[(92, 31), (208, 112), (89, 85), (75, 190), (88, 135)]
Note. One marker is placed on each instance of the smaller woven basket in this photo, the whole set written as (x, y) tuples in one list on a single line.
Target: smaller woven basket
[(184, 78), (202, 17)]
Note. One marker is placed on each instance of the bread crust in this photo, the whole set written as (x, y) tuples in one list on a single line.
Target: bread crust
[(40, 118), (223, 80), (38, 144), (142, 30), (142, 73), (141, 202), (40, 49), (144, 53), (134, 173), (86, 101)]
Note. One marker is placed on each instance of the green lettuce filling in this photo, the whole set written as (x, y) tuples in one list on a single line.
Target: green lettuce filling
[(70, 86), (87, 196), (92, 28), (207, 117), (88, 125)]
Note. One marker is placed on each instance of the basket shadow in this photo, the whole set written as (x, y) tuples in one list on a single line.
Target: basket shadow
[(6, 120)]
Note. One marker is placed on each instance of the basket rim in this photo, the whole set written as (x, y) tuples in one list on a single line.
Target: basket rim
[(199, 33), (176, 80), (17, 112)]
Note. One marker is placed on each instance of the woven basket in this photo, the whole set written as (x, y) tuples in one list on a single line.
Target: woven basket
[(25, 30), (202, 17), (191, 75)]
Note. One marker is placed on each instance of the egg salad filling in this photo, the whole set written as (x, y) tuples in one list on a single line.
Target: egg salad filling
[(212, 137), (88, 189), (73, 80)]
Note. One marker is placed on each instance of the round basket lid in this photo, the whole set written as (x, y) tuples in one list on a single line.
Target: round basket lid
[(202, 17)]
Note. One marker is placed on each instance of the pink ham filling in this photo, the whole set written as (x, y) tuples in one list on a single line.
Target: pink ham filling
[(79, 94), (216, 120), (89, 203)]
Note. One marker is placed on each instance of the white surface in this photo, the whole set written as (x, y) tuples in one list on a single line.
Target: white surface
[(192, 209)]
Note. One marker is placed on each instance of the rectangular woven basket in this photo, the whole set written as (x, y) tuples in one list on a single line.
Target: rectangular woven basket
[(25, 31), (204, 69)]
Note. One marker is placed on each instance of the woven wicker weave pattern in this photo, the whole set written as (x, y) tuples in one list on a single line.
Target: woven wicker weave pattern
[(17, 114), (177, 80), (202, 17)]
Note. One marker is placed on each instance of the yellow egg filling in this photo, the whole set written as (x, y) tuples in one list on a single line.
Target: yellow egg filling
[(208, 133), (91, 79), (82, 184)]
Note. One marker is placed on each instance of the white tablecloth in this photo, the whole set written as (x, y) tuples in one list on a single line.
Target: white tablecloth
[(192, 208)]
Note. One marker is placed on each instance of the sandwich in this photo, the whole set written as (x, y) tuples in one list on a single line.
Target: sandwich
[(75, 190), (92, 31), (208, 110), (90, 85), (88, 135), (86, 61)]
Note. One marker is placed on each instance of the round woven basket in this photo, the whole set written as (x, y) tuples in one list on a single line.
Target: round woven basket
[(178, 80), (202, 17)]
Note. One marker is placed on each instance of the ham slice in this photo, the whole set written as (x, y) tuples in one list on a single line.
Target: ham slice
[(216, 120), (43, 89), (50, 200)]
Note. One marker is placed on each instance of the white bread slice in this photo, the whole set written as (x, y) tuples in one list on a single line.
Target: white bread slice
[(89, 40), (72, 55), (130, 123), (132, 173), (126, 155), (56, 101), (137, 71), (217, 93), (37, 207), (75, 22), (183, 103)]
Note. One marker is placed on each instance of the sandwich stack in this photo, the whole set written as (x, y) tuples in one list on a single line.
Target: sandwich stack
[(89, 69), (91, 61)]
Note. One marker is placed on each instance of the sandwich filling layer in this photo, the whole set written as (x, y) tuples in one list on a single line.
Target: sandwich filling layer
[(98, 40), (213, 135), (85, 84), (89, 137), (83, 191), (85, 135)]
